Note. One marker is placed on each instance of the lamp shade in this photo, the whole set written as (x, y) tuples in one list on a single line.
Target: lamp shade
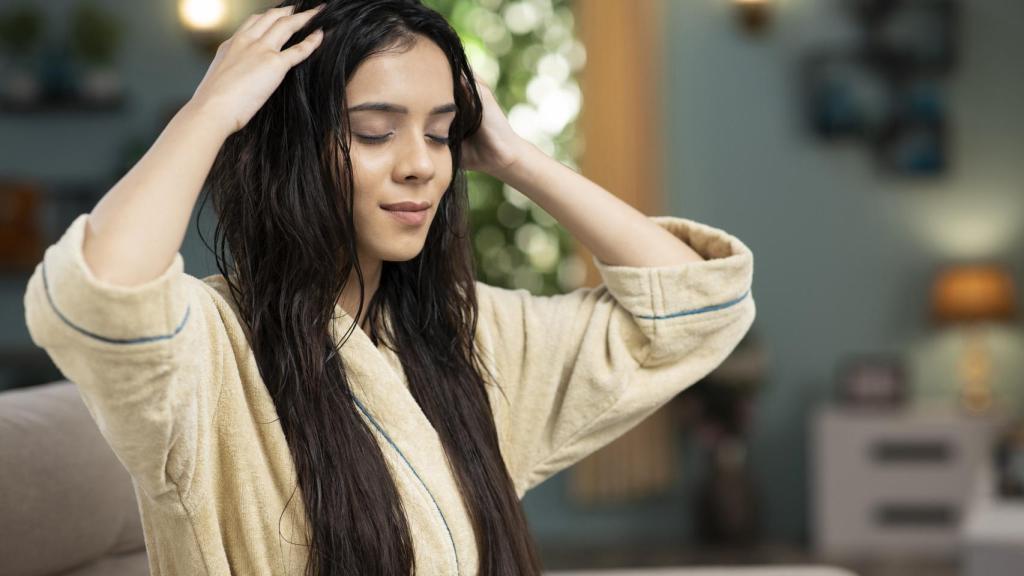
[(970, 293)]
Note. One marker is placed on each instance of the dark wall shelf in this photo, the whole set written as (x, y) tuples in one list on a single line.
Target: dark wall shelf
[(62, 104)]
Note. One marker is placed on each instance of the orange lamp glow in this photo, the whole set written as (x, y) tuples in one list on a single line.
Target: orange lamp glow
[(971, 295)]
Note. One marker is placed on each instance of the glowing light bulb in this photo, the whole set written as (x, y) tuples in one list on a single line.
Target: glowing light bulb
[(202, 14)]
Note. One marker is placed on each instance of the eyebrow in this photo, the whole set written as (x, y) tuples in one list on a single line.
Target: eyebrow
[(396, 109)]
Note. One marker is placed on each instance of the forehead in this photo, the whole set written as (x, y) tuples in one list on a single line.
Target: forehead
[(419, 78)]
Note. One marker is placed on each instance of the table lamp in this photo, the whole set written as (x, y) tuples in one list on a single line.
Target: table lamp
[(971, 295)]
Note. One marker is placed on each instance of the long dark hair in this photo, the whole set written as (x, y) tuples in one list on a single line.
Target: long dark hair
[(285, 211)]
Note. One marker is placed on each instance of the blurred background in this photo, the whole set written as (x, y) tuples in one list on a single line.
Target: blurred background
[(870, 152)]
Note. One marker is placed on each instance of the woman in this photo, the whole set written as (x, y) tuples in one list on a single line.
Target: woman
[(345, 397)]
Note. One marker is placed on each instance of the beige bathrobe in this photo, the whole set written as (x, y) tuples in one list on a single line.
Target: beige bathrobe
[(166, 372)]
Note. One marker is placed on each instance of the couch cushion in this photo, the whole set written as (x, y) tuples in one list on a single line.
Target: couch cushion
[(133, 564), (67, 500)]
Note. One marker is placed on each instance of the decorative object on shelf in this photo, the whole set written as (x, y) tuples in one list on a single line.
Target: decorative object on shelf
[(95, 36), (969, 295), (990, 542), (726, 511), (70, 74), (1008, 457), (887, 90), (872, 381), (21, 235), (207, 23), (21, 32)]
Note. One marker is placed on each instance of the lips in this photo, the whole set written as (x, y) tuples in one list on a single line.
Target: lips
[(406, 206), (410, 217)]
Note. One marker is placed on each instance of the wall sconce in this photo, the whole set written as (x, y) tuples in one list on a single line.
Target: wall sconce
[(754, 16), (969, 295), (206, 22)]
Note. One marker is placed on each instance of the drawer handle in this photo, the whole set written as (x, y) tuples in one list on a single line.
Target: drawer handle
[(911, 452), (936, 514)]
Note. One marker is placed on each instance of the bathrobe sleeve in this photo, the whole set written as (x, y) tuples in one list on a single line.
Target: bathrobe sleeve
[(577, 370), (144, 358)]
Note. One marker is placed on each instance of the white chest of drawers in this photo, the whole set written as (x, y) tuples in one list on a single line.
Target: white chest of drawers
[(893, 483)]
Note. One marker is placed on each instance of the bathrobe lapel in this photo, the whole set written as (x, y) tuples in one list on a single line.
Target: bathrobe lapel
[(377, 379)]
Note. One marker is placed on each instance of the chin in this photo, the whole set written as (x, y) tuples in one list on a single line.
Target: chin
[(401, 255)]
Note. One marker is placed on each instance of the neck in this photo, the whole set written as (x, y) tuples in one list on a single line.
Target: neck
[(349, 299)]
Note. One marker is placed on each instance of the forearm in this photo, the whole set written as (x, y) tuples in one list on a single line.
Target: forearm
[(135, 230), (615, 232)]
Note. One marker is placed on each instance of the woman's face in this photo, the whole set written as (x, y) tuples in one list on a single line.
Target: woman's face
[(399, 153)]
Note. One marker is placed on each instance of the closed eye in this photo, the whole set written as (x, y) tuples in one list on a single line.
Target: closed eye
[(379, 139)]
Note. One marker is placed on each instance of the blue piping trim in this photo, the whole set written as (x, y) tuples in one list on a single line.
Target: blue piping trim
[(140, 340), (443, 520), (700, 310)]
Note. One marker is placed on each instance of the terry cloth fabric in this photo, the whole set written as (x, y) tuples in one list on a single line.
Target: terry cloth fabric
[(167, 374)]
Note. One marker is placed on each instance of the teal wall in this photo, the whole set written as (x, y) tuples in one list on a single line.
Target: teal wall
[(843, 254)]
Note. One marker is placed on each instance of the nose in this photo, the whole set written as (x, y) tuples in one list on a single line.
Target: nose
[(417, 159)]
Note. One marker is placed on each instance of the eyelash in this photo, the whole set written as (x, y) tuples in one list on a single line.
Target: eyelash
[(380, 139)]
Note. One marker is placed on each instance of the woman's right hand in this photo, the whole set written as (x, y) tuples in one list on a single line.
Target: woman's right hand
[(250, 65)]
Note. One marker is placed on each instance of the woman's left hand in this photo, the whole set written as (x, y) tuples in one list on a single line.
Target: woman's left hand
[(495, 147)]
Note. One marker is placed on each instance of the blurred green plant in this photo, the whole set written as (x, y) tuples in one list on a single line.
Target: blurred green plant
[(95, 34), (527, 52), (21, 29)]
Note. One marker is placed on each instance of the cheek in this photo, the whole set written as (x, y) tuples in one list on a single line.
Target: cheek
[(366, 176), (361, 168)]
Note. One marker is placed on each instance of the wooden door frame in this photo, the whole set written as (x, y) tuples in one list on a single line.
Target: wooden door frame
[(621, 115), (620, 122)]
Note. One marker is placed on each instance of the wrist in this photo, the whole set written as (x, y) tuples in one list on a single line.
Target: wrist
[(521, 151), (206, 114)]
